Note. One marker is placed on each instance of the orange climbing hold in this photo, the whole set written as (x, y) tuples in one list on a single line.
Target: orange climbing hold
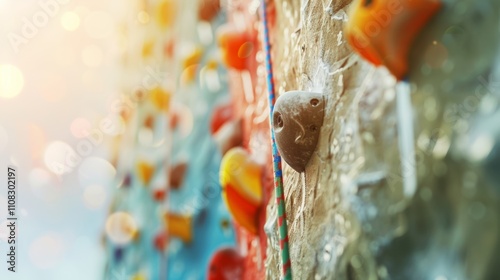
[(240, 177), (383, 31), (236, 46)]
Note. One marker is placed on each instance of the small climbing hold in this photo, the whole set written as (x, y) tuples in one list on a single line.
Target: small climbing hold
[(127, 181), (208, 9), (160, 98), (226, 131), (148, 48), (180, 226), (161, 241), (193, 57), (139, 276), (297, 120), (159, 195), (240, 178), (177, 174), (118, 254), (221, 115), (189, 74), (145, 171), (389, 43), (149, 122), (226, 264), (166, 12)]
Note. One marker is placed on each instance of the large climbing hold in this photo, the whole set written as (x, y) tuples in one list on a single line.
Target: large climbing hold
[(297, 120), (240, 178), (383, 31)]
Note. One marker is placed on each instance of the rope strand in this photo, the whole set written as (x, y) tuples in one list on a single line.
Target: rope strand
[(278, 174)]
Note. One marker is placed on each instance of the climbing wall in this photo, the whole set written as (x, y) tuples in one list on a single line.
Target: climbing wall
[(167, 216), (401, 184), (359, 132), (372, 207)]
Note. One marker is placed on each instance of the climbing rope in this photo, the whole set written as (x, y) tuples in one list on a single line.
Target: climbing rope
[(278, 173)]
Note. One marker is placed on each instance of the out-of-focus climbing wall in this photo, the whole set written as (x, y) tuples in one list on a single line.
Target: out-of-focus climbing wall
[(167, 217)]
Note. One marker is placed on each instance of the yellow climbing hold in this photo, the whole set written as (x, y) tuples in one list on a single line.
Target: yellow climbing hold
[(147, 49), (240, 177), (160, 98), (145, 171), (194, 57), (166, 13), (179, 226)]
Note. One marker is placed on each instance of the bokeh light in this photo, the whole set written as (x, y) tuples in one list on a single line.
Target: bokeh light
[(121, 227), (80, 127), (94, 196), (143, 17), (11, 81), (96, 171), (42, 185), (38, 178), (92, 56), (70, 21), (60, 157), (99, 24), (47, 251)]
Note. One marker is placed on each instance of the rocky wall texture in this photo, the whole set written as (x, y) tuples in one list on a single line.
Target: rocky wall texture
[(353, 213)]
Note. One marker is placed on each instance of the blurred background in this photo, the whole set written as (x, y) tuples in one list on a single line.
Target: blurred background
[(58, 76), (106, 112)]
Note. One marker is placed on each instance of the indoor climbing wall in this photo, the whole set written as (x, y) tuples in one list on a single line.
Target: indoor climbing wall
[(135, 234), (399, 185), (168, 214), (384, 119), (196, 208)]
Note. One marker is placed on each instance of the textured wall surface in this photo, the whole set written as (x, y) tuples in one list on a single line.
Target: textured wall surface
[(352, 215)]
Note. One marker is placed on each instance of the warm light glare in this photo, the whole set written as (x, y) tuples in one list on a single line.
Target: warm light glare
[(70, 21), (58, 155), (99, 24), (143, 17), (80, 127), (92, 56), (11, 81)]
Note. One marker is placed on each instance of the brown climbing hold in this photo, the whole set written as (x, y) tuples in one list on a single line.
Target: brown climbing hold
[(297, 120), (177, 173), (208, 9)]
